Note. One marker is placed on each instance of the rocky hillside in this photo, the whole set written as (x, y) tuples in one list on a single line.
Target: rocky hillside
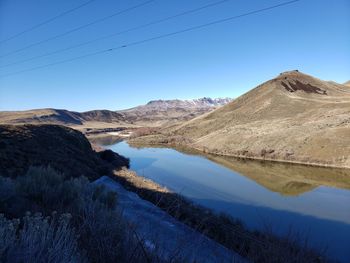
[(185, 104), (153, 113), (62, 148), (159, 112), (293, 117)]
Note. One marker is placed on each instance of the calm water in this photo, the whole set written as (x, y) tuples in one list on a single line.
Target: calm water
[(312, 201)]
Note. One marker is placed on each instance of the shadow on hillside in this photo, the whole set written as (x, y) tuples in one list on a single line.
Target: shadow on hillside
[(64, 149)]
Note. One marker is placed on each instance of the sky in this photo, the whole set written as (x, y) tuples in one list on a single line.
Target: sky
[(222, 60)]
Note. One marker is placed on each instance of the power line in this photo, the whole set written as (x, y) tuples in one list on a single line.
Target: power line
[(78, 28), (156, 37), (46, 21), (118, 33)]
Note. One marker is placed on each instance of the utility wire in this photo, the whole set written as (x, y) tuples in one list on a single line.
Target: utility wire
[(46, 21), (156, 37), (78, 28), (118, 33)]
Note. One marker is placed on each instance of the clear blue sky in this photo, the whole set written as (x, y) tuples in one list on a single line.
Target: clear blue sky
[(223, 60)]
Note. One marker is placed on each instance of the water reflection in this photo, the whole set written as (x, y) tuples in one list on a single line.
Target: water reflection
[(286, 179), (312, 200), (104, 139)]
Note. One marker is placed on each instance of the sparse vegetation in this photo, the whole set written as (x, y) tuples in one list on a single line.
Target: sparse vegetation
[(38, 239), (45, 217), (143, 131)]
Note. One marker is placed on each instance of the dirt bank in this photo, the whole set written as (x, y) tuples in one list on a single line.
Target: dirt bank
[(168, 140)]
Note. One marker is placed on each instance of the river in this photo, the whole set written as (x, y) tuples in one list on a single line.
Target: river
[(308, 201)]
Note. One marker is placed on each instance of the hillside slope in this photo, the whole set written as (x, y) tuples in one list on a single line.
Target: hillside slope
[(64, 149), (58, 116), (293, 117), (52, 116)]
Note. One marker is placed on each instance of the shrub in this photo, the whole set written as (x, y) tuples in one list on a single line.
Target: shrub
[(48, 189), (7, 192), (107, 198), (8, 230), (38, 184), (101, 232), (39, 240), (7, 189), (144, 131)]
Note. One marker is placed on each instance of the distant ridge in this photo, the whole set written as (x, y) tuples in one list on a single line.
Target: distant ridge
[(50, 116), (57, 116), (157, 112)]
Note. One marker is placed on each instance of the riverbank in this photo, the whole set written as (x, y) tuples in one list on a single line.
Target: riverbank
[(168, 140), (233, 234), (163, 235), (280, 177)]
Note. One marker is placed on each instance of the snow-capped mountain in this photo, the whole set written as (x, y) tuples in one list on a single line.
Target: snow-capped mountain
[(172, 110)]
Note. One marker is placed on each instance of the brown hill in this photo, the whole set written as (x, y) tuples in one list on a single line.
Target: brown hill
[(101, 116), (53, 116), (63, 148), (57, 116), (347, 83), (293, 117)]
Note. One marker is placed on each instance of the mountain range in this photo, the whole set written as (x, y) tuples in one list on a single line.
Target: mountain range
[(160, 112), (155, 112)]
